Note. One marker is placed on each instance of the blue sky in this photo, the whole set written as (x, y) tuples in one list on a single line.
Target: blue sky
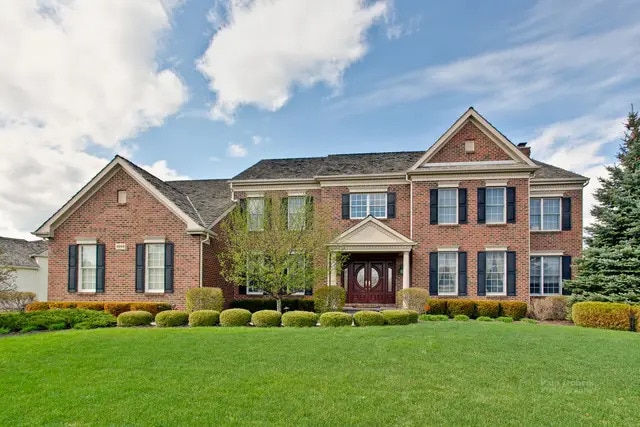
[(205, 88)]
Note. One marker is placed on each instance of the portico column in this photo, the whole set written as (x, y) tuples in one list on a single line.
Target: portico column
[(406, 270), (333, 281)]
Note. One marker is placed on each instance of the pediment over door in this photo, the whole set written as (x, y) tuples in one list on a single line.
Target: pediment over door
[(372, 235)]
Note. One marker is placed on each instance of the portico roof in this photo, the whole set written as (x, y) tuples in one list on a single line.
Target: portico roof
[(372, 235)]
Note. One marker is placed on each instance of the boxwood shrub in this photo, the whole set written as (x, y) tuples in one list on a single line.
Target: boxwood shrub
[(134, 318), (204, 318), (172, 318), (37, 306), (413, 299), (487, 309), (368, 318), (635, 312), (299, 319), (434, 317), (413, 316), (335, 319), (328, 299), (605, 315), (437, 306), (235, 317), (54, 319), (90, 305), (485, 319), (460, 306), (152, 307), (257, 304), (461, 317), (204, 299), (515, 309), (117, 308), (266, 318), (396, 317), (505, 319)]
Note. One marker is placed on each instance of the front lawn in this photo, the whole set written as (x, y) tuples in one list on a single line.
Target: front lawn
[(453, 373)]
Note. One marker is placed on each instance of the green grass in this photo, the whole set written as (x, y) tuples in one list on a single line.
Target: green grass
[(442, 373)]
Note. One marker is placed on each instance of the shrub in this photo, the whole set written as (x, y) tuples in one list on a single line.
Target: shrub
[(605, 315), (461, 317), (62, 304), (257, 304), (515, 309), (15, 300), (335, 319), (413, 316), (434, 317), (487, 309), (4, 331), (37, 306), (152, 307), (266, 318), (485, 319), (299, 319), (527, 320), (29, 328), (235, 317), (117, 308), (135, 318), (328, 299), (205, 299), (91, 305), (54, 319), (437, 306), (635, 311), (204, 318), (368, 318), (172, 318), (460, 306), (549, 308), (505, 319), (413, 299), (396, 317)]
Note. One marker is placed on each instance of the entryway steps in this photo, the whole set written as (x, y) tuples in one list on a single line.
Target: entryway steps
[(353, 308)]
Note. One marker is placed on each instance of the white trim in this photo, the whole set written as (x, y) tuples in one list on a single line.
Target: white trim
[(545, 195), (542, 199), (401, 243), (504, 277), (80, 269), (152, 240), (369, 189), (478, 163), (254, 194), (146, 268), (495, 183), (86, 241), (448, 184), (546, 253), (459, 175), (456, 207), (448, 248), (504, 207), (296, 193), (457, 279), (363, 181), (368, 211), (542, 292), (304, 212), (496, 248)]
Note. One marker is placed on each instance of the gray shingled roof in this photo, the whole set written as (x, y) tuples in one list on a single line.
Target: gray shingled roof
[(548, 171), (18, 252), (299, 168), (211, 197)]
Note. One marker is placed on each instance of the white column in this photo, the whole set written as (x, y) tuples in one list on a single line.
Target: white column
[(406, 270), (333, 281)]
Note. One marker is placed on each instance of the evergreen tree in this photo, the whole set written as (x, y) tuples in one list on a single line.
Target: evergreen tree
[(609, 269)]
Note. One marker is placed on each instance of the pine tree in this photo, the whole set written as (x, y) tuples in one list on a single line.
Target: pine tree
[(609, 269)]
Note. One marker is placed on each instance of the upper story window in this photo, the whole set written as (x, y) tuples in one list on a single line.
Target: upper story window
[(545, 275), (362, 205), (544, 214), (296, 212), (447, 206), (87, 268), (154, 267), (255, 213), (496, 206)]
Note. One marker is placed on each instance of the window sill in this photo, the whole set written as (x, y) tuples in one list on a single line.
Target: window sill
[(154, 292), (85, 292), (495, 224), (546, 231), (546, 295), (449, 225), (495, 295), (447, 295)]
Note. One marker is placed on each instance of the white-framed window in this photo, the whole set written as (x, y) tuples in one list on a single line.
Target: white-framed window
[(496, 273), (297, 269), (154, 267), (122, 197), (255, 213), (447, 273), (296, 212), (447, 206), (495, 209), (363, 204), (87, 272), (254, 262), (545, 275), (544, 214)]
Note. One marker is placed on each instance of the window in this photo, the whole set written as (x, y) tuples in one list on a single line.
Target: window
[(495, 208), (296, 212), (545, 275), (254, 263), (122, 197), (255, 217), (448, 206), (544, 214), (87, 270), (374, 204), (297, 274), (447, 273), (496, 273), (154, 268)]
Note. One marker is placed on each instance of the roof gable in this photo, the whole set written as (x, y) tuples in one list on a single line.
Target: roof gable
[(20, 253), (371, 232)]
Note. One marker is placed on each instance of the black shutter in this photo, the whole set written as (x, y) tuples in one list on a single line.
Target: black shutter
[(168, 268), (482, 276), (100, 255), (308, 212), (267, 214), (242, 289), (243, 205), (566, 213), (462, 273), (482, 207), (284, 211), (566, 272), (511, 205), (433, 273), (345, 206), (511, 273), (462, 205), (391, 205), (72, 281), (433, 196), (140, 267)]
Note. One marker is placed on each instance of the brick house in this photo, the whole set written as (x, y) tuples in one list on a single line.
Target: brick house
[(474, 216)]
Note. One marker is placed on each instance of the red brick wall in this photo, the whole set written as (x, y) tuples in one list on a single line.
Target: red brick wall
[(211, 267), (485, 148)]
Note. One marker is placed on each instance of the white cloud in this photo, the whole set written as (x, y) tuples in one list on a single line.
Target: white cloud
[(76, 77), (161, 170), (236, 150), (266, 48)]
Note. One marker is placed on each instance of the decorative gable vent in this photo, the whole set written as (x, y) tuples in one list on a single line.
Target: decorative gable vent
[(122, 197), (470, 146)]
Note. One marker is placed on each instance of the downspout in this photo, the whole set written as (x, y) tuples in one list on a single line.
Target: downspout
[(202, 242)]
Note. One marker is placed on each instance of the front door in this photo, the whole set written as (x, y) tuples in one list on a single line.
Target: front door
[(371, 282)]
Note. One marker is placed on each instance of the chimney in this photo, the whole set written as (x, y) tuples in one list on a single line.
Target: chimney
[(522, 146)]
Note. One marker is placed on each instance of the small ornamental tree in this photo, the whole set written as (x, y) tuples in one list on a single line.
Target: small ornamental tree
[(275, 246), (7, 276)]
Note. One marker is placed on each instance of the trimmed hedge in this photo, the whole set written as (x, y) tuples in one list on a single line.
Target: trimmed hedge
[(437, 306), (117, 308), (90, 305), (152, 307), (172, 318), (335, 319), (257, 304), (397, 317), (113, 308), (605, 315), (299, 319), (55, 320), (368, 318), (413, 299), (461, 306), (505, 319), (485, 319), (204, 318), (204, 299), (328, 299), (635, 312), (266, 318), (461, 317), (413, 316), (37, 306), (434, 317), (235, 317), (134, 318), (515, 309), (487, 309)]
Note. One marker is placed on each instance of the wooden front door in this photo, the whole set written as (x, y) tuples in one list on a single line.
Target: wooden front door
[(371, 282)]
